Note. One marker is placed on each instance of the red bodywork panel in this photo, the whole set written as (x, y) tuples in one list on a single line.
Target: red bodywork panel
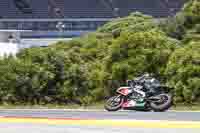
[(124, 90)]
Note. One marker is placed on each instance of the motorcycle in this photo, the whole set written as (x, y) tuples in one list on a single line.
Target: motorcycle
[(144, 93)]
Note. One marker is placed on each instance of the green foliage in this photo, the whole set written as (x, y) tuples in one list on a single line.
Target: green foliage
[(183, 71), (174, 27), (184, 25), (191, 10), (133, 54), (33, 75), (134, 22)]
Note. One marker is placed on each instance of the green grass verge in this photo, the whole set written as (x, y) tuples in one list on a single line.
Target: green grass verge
[(182, 107), (53, 106)]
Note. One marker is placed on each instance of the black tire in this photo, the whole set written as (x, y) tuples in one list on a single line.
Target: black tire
[(163, 107), (118, 106)]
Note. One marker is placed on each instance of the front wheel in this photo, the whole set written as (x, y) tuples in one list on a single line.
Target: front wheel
[(163, 104), (114, 103)]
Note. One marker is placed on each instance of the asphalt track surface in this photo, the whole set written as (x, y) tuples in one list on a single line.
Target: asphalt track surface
[(127, 115), (69, 121)]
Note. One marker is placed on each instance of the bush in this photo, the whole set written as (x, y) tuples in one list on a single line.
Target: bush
[(191, 10), (183, 72), (33, 76), (174, 27), (135, 21), (133, 54), (183, 23)]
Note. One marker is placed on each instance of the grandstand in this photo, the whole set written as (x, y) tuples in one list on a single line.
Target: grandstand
[(69, 18), (77, 14), (11, 9)]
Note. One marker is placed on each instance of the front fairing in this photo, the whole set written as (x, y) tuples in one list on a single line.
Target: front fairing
[(124, 90)]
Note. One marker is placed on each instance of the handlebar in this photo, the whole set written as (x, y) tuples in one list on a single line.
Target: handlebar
[(142, 77), (138, 79)]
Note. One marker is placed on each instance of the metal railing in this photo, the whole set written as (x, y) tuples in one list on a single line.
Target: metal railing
[(53, 24)]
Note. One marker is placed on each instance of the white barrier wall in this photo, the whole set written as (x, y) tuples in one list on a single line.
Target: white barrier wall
[(4, 36), (8, 49)]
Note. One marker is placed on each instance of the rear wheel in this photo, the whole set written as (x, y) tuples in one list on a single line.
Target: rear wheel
[(114, 103), (163, 104)]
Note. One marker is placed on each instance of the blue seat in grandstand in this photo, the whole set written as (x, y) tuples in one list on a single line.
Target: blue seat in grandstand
[(85, 8), (31, 9)]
